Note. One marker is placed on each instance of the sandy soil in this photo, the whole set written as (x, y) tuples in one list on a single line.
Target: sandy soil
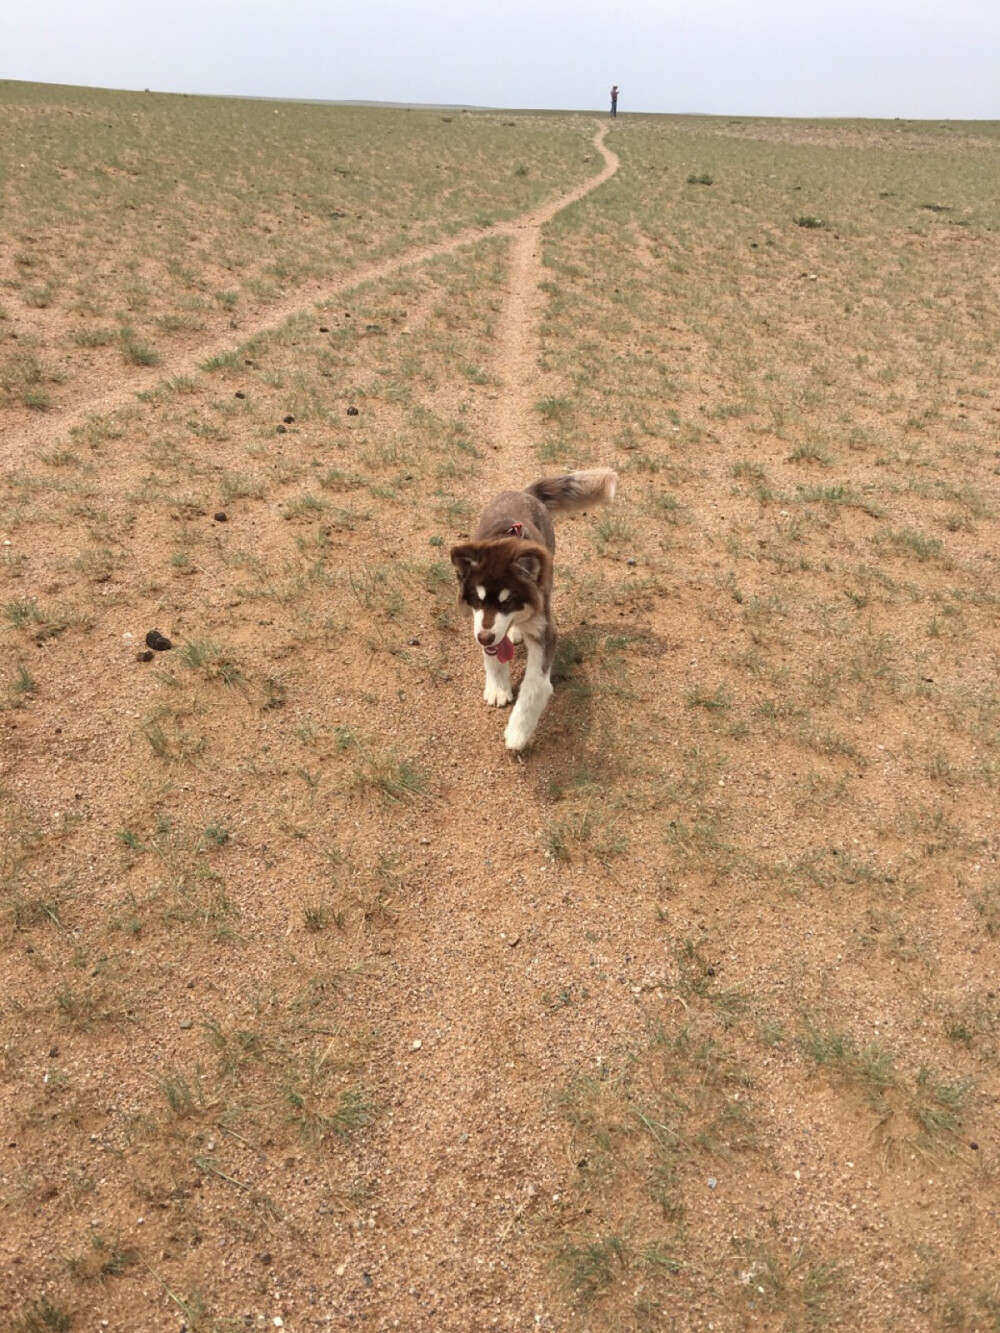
[(488, 973)]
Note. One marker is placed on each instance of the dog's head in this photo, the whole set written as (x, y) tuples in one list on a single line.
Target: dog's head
[(502, 581)]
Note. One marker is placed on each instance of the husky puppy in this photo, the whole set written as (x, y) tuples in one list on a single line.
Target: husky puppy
[(505, 576)]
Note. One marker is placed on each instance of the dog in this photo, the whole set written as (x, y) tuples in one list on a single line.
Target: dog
[(505, 576)]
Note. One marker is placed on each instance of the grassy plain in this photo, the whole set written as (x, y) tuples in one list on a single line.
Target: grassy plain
[(318, 1007), (137, 224)]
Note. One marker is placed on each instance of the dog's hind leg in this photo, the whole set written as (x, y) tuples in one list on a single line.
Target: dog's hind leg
[(497, 692), (534, 694)]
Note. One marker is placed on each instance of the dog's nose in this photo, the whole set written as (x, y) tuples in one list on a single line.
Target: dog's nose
[(485, 637)]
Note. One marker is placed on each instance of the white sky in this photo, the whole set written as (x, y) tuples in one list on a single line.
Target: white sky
[(911, 58)]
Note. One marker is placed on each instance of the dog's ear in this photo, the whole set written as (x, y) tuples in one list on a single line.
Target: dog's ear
[(464, 558), (530, 565)]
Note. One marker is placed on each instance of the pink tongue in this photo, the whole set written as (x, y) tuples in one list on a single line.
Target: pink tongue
[(505, 650)]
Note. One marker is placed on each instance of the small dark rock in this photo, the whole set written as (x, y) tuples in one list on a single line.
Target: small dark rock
[(347, 314), (413, 643), (288, 420), (974, 1145), (266, 1259), (145, 655), (157, 641), (282, 430), (53, 1052), (323, 329), (366, 1278), (239, 394), (352, 411), (221, 516)]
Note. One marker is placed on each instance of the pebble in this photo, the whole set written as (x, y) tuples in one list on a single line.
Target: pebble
[(712, 1182), (239, 394), (146, 655), (221, 516), (352, 411), (186, 1023), (417, 1045), (323, 329), (158, 641), (288, 420), (281, 430)]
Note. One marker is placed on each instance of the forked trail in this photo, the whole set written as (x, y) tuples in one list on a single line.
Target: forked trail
[(468, 1153), (517, 354), (525, 265), (471, 1155)]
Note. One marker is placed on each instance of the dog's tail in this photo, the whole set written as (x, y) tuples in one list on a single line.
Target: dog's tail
[(576, 490)]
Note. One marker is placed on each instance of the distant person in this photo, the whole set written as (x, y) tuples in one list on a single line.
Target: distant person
[(614, 100)]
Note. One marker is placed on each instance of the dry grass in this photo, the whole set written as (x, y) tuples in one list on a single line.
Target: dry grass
[(218, 207), (746, 1028)]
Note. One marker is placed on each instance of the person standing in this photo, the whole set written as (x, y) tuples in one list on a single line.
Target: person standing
[(614, 100)]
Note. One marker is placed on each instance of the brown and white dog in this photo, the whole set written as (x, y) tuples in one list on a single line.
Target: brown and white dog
[(505, 576)]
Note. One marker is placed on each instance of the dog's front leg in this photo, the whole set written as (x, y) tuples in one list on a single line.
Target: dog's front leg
[(534, 694), (498, 692)]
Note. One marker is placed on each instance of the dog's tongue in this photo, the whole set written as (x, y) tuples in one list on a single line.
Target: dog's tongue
[(505, 650)]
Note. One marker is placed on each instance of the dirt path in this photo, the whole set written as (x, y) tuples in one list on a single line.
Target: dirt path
[(516, 362), (466, 1154), (51, 427), (471, 1152)]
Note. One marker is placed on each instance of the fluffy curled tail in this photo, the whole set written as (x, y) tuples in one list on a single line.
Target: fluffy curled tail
[(576, 490)]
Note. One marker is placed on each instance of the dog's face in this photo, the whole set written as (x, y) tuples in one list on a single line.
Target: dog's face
[(502, 582)]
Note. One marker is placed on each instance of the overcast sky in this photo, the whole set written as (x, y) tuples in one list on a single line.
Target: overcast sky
[(911, 58)]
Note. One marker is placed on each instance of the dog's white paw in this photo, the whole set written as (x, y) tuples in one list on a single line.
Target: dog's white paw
[(498, 696), (517, 736)]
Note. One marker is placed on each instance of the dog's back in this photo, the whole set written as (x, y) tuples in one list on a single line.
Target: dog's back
[(528, 513)]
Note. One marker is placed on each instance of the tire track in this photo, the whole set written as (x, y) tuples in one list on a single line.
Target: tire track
[(524, 229), (473, 1147), (508, 427)]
